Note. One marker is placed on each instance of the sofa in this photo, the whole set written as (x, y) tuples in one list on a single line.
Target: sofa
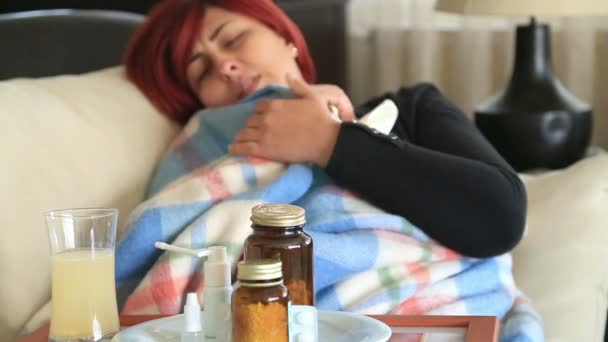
[(83, 136)]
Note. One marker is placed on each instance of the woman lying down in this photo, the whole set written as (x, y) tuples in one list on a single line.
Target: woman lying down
[(416, 221)]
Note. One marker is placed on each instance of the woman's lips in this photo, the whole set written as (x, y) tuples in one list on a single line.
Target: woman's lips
[(249, 85)]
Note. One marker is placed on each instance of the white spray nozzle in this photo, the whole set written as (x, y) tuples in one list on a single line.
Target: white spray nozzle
[(199, 253), (192, 299), (192, 313), (216, 269), (217, 254)]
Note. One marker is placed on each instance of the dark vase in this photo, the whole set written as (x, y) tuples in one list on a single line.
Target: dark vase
[(535, 122)]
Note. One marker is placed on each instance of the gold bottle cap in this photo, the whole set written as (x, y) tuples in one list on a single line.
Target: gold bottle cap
[(278, 215), (260, 270)]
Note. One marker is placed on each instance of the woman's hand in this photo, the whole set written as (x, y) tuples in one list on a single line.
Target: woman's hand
[(335, 96), (292, 130)]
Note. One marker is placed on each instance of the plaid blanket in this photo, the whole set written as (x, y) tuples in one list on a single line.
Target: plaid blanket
[(366, 260)]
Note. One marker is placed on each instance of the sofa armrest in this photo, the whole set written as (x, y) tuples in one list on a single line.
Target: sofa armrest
[(562, 262)]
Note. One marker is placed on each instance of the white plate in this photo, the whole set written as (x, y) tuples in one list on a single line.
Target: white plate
[(335, 326)]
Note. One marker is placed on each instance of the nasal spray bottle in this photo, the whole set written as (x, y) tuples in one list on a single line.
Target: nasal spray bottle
[(192, 320), (217, 290)]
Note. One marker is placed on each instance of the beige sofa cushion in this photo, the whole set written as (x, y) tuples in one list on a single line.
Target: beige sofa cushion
[(562, 263), (69, 141)]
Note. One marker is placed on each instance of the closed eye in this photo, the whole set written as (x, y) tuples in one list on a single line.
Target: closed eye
[(202, 75), (203, 69), (232, 42)]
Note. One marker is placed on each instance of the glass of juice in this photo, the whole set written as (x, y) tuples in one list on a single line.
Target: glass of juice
[(83, 293)]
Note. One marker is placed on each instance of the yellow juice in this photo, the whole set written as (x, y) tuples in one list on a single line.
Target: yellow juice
[(84, 295)]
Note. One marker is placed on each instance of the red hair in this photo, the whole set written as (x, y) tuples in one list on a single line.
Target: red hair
[(157, 55)]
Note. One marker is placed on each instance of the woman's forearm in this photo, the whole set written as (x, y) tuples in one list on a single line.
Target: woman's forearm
[(469, 206), (438, 172)]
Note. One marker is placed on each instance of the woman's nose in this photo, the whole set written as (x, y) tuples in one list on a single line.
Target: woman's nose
[(229, 67)]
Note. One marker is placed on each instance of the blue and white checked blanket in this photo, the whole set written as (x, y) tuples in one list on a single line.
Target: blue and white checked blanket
[(366, 260)]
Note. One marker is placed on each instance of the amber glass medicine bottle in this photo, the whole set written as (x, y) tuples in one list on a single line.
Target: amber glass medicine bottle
[(278, 233), (260, 304)]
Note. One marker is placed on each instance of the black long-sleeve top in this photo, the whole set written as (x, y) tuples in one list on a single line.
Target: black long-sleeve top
[(435, 169)]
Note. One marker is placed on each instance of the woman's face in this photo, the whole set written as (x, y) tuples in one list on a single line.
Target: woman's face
[(235, 55)]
